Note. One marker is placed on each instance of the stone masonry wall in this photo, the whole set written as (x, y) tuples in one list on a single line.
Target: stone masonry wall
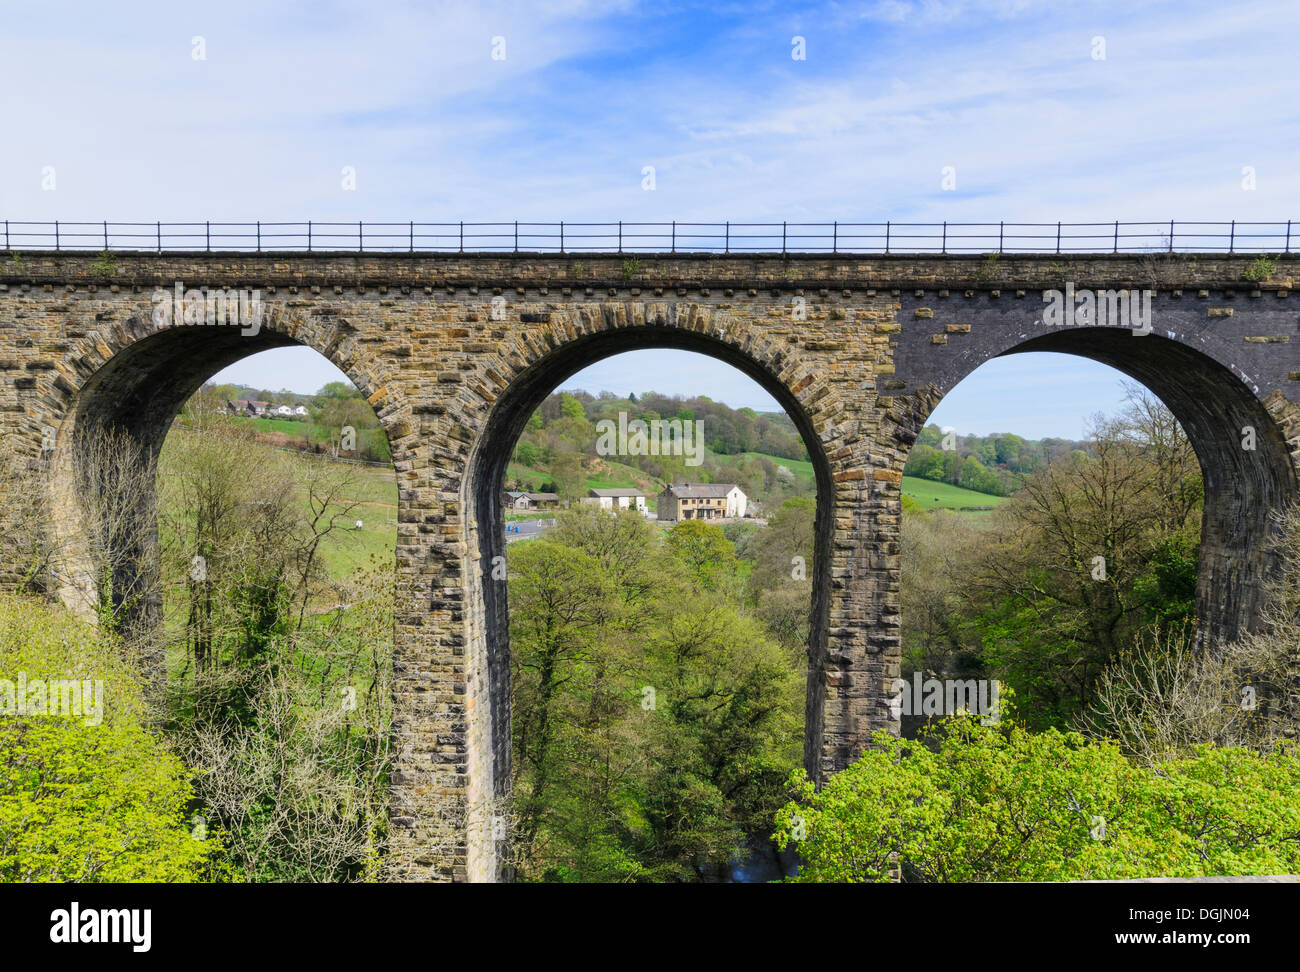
[(858, 349)]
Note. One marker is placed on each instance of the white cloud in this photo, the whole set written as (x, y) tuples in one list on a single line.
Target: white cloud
[(1007, 92)]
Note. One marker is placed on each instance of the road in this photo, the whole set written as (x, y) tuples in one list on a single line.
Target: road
[(527, 529)]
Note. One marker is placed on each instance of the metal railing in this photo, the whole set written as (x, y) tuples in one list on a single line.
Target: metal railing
[(1167, 236)]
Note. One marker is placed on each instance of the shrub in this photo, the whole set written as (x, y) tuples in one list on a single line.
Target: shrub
[(87, 798), (970, 802)]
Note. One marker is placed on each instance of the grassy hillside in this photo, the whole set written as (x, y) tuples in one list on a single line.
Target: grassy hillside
[(605, 474), (802, 468), (373, 488), (933, 496)]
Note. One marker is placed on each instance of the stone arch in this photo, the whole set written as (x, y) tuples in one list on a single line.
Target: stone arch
[(1214, 405), (135, 378), (580, 337)]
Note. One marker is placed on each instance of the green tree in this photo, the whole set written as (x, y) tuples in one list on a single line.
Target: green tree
[(705, 551), (527, 453), (655, 720), (560, 598), (1083, 556), (981, 803), (570, 407), (88, 797)]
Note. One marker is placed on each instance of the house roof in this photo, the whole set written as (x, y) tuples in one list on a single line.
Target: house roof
[(700, 490), (624, 491), (542, 497)]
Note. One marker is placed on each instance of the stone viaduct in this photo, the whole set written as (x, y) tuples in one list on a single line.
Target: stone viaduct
[(455, 351)]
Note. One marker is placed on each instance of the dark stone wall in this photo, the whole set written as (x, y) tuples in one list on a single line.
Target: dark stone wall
[(1222, 359)]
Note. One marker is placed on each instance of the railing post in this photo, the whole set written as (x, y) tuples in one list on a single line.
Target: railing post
[(1116, 236), (410, 228), (361, 237), (835, 236), (782, 237), (158, 229), (999, 236), (7, 233), (259, 236), (516, 236), (1171, 236), (56, 235), (309, 236), (674, 250), (207, 234), (886, 236), (943, 248), (620, 236), (726, 239), (462, 236), (1058, 237), (105, 234), (1232, 235), (1288, 235), (561, 236)]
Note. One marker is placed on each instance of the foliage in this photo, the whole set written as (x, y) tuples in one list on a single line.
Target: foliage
[(1169, 692), (995, 464), (105, 268), (780, 580), (27, 550), (988, 269), (1260, 269), (89, 798), (997, 803), (654, 720), (279, 695), (706, 553), (1060, 579)]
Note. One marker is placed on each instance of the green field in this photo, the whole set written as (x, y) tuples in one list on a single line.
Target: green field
[(935, 496), (290, 427), (374, 489), (929, 494)]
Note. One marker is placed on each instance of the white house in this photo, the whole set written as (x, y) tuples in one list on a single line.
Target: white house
[(616, 499), (701, 501)]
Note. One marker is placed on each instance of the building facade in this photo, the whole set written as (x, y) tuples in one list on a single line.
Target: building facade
[(701, 501), (616, 499), (515, 500)]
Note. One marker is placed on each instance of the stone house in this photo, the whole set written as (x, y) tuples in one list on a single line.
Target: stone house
[(701, 501), (515, 500)]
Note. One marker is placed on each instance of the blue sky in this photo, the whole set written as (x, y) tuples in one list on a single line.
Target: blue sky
[(1007, 92)]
